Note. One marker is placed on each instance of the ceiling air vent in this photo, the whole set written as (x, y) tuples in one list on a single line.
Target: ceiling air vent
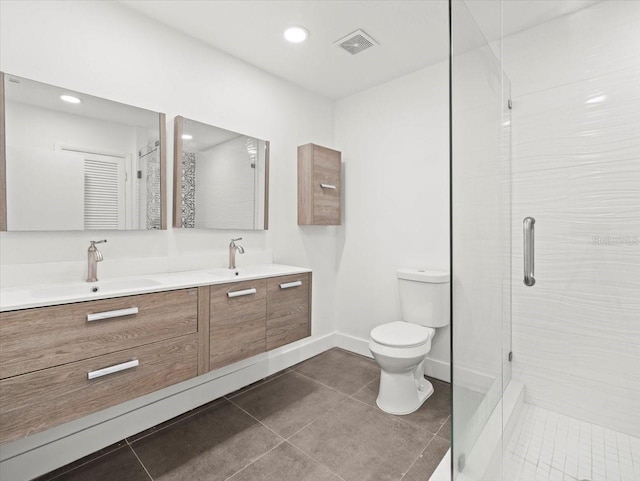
[(356, 42)]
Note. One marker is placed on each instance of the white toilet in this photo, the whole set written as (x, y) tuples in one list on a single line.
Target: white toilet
[(401, 347)]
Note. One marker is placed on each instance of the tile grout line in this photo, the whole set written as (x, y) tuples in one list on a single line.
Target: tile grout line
[(314, 459), (314, 420), (140, 461), (334, 389), (256, 419), (417, 457), (256, 460)]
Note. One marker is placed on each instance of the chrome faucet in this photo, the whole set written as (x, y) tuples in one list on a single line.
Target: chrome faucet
[(232, 252), (93, 257)]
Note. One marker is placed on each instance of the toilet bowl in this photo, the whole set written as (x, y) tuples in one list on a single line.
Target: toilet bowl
[(400, 348)]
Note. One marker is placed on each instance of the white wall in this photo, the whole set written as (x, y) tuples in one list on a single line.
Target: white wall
[(105, 49), (395, 144), (576, 169)]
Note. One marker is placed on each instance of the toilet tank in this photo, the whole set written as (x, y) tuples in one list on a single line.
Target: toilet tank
[(424, 296)]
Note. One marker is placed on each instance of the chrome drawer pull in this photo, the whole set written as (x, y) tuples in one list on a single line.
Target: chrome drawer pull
[(245, 292), (328, 186), (111, 369), (287, 285), (98, 316)]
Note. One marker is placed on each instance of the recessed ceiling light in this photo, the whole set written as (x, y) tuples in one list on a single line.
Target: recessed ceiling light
[(187, 137), (71, 99), (296, 34)]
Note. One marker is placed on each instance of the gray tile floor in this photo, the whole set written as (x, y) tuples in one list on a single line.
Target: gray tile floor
[(314, 422)]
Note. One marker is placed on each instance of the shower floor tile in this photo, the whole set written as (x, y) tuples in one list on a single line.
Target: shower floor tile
[(549, 446)]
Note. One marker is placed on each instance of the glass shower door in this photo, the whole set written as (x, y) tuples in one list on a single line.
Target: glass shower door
[(481, 245)]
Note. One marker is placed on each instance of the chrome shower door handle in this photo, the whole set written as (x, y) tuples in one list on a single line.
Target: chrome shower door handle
[(529, 250)]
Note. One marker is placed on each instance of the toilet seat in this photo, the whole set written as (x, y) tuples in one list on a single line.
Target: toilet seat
[(401, 334)]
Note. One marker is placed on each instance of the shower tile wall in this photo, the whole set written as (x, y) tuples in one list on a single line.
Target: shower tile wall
[(576, 169)]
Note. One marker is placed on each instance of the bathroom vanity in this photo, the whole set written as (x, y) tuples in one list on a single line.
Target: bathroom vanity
[(67, 351)]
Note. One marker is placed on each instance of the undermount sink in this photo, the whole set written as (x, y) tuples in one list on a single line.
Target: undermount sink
[(85, 288)]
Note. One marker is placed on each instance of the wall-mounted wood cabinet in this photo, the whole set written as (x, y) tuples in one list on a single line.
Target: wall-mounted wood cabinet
[(60, 363), (319, 185)]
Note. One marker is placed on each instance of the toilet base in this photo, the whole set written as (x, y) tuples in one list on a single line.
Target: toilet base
[(402, 393)]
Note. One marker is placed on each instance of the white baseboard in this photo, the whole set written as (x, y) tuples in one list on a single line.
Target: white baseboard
[(353, 344), (40, 453), (434, 368)]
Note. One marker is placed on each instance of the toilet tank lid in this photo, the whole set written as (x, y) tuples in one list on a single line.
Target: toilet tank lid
[(424, 275)]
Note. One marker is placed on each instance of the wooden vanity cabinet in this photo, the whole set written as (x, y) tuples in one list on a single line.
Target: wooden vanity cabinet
[(288, 309), (319, 185), (63, 362), (237, 329)]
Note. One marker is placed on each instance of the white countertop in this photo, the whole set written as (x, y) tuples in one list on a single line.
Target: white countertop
[(12, 299)]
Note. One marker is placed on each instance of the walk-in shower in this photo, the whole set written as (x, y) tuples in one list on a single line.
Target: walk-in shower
[(545, 240)]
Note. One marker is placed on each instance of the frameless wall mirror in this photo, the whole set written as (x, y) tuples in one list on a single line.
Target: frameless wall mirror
[(71, 161), (221, 178)]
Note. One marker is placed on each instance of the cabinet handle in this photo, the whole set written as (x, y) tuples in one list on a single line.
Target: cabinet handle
[(245, 292), (98, 316), (288, 285), (328, 186), (529, 252), (111, 369)]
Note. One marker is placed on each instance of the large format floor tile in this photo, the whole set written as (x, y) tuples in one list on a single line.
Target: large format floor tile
[(341, 370), (288, 403), (361, 443), (211, 445), (285, 463)]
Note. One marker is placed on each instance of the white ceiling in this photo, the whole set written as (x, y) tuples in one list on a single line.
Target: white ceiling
[(411, 34)]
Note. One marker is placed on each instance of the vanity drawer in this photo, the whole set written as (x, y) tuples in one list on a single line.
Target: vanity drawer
[(288, 309), (39, 338), (39, 400), (237, 328)]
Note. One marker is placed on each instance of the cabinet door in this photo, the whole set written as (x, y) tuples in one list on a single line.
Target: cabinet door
[(319, 185), (326, 186), (36, 401), (288, 309), (238, 328)]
